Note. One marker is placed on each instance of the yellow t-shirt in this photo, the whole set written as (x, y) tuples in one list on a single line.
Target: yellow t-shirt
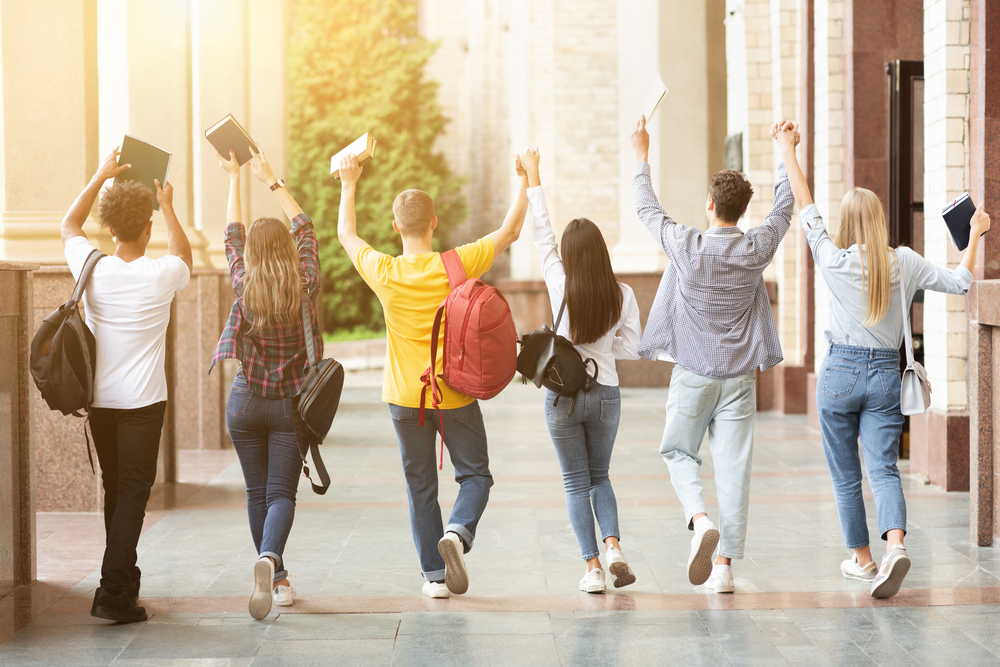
[(411, 288)]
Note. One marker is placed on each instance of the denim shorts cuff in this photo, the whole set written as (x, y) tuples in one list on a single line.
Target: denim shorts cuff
[(886, 531), (437, 575), (462, 532)]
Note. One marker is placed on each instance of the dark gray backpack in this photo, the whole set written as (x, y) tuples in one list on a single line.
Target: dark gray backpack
[(63, 354)]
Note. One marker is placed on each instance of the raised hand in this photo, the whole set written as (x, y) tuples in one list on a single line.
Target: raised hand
[(350, 170), (528, 160), (110, 167), (261, 167), (230, 166), (980, 222), (786, 133), (640, 140), (164, 194)]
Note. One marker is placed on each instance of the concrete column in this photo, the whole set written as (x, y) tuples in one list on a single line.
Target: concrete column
[(49, 127)]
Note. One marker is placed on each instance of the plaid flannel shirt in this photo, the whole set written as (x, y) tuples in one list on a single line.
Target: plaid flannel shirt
[(273, 359)]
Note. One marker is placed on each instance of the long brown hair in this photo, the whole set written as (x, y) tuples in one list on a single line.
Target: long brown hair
[(272, 287), (862, 221), (593, 294)]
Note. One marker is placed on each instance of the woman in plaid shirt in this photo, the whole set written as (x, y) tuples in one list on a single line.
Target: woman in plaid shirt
[(272, 271)]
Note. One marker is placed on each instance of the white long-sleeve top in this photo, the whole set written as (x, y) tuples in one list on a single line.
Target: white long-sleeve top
[(842, 270), (610, 346)]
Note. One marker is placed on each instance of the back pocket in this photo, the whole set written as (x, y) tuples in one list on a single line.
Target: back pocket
[(839, 382)]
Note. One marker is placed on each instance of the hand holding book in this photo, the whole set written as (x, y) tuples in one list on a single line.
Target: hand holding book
[(261, 167)]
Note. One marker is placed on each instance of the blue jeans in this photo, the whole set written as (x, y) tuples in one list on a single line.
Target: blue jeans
[(465, 439), (264, 437), (857, 394), (583, 438)]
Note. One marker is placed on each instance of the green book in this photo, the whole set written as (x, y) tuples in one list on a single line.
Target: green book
[(229, 134), (148, 162)]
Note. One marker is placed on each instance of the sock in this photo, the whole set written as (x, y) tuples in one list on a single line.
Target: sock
[(721, 568), (704, 522)]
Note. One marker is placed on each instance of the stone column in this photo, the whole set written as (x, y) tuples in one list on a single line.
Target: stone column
[(942, 451), (829, 141)]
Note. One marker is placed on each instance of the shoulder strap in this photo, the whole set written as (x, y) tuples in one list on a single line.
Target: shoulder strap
[(88, 268), (907, 333), (453, 267), (555, 327), (308, 329)]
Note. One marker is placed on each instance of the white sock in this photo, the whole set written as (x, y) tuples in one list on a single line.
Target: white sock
[(721, 568), (704, 524)]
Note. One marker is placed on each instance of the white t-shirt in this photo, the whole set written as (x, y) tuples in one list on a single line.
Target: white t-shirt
[(127, 306)]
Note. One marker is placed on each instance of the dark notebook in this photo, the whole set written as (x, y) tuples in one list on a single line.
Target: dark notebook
[(229, 134), (148, 162), (958, 217)]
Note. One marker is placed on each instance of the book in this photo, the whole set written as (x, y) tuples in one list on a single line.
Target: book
[(958, 218), (656, 96), (148, 162), (363, 147), (228, 135)]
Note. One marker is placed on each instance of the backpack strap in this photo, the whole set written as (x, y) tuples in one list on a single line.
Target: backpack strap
[(430, 380), (88, 268), (562, 308), (308, 329), (454, 268)]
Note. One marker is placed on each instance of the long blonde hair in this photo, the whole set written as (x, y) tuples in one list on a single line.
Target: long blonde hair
[(862, 222), (272, 287)]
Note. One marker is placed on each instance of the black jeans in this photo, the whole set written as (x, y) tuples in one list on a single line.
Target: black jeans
[(127, 444)]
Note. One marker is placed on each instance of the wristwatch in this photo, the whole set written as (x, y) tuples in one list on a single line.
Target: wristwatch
[(280, 183)]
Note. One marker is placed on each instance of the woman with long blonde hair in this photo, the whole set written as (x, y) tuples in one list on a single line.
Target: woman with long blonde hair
[(272, 270), (858, 388)]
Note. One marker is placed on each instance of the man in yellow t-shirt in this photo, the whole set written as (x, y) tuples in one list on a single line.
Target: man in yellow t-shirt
[(411, 287)]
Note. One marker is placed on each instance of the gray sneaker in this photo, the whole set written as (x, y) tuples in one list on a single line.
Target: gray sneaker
[(895, 565), (851, 570)]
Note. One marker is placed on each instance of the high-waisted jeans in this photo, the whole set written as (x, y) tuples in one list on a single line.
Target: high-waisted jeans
[(857, 394), (584, 435), (264, 437)]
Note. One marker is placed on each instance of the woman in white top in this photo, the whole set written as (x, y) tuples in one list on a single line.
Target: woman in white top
[(583, 431), (858, 389)]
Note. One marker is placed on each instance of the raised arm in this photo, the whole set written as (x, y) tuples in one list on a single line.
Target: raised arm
[(510, 230), (347, 221), (542, 234), (980, 225), (671, 236), (788, 139), (263, 171), (177, 240), (235, 232), (76, 216)]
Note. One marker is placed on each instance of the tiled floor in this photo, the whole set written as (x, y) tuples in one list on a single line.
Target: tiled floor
[(359, 583)]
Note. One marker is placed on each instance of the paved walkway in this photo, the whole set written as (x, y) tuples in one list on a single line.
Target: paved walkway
[(359, 584)]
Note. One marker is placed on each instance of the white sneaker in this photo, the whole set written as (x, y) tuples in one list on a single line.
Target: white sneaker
[(284, 595), (619, 568), (435, 590), (593, 582), (263, 580), (895, 565), (721, 581), (702, 548), (851, 570), (456, 577)]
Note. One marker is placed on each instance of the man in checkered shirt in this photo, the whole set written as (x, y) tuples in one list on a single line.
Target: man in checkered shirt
[(713, 318)]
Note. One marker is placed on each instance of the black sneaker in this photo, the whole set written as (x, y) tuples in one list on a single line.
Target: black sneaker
[(119, 608)]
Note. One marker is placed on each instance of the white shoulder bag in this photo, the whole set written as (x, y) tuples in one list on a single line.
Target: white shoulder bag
[(915, 393)]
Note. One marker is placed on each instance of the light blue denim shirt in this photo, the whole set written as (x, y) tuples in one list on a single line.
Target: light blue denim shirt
[(841, 269)]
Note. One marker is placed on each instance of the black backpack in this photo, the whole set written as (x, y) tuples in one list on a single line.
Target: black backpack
[(550, 360), (63, 354), (316, 403)]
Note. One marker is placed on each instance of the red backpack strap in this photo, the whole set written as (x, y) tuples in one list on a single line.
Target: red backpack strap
[(429, 379), (453, 267)]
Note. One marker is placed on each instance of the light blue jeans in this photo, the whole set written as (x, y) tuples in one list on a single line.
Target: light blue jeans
[(857, 394), (264, 438), (727, 410), (465, 440), (583, 438)]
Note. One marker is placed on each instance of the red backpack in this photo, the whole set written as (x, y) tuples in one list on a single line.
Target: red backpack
[(480, 340)]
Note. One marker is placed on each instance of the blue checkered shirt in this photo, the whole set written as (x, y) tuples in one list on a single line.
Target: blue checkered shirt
[(711, 313)]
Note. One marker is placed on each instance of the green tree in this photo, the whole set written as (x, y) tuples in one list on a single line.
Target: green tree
[(357, 66)]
